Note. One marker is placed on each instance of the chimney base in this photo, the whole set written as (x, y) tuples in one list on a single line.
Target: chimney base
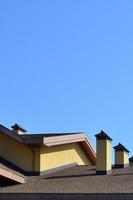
[(104, 172), (121, 166)]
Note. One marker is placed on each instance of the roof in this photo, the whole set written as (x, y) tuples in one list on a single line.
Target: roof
[(120, 147), (41, 135), (77, 179), (102, 136)]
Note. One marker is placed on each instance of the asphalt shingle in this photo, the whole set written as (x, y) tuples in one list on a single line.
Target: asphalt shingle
[(77, 179)]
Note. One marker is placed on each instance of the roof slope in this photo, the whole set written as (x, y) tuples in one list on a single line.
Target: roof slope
[(78, 179)]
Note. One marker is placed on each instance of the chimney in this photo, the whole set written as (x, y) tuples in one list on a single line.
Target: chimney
[(104, 154), (121, 156), (18, 129), (131, 160)]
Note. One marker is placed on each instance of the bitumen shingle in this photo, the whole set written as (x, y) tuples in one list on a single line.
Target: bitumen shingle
[(77, 179)]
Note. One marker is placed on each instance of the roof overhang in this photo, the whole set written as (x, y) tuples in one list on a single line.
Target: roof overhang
[(67, 139), (11, 175)]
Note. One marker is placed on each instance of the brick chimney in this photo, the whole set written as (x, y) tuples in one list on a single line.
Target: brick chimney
[(104, 153), (121, 156), (18, 129)]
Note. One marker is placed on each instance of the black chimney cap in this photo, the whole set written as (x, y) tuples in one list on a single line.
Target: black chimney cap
[(102, 136), (120, 147), (16, 127)]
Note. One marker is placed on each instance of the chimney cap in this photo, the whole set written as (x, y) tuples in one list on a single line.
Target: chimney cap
[(102, 136), (18, 127), (120, 147)]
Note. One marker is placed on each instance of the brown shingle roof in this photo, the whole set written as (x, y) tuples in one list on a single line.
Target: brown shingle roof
[(78, 179)]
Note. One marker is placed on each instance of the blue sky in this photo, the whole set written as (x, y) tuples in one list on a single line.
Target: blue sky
[(67, 66)]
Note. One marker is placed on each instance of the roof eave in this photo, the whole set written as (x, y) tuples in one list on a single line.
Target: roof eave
[(67, 139), (12, 176)]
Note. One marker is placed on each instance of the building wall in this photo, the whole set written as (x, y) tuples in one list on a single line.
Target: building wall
[(36, 159), (15, 152), (56, 156), (41, 158)]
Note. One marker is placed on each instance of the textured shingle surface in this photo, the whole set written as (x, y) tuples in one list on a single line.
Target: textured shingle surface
[(78, 179)]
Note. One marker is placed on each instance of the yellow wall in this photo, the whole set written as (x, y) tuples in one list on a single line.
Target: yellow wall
[(101, 155), (36, 159), (41, 158), (20, 132), (126, 158), (104, 155), (109, 155), (56, 156), (17, 153), (121, 158)]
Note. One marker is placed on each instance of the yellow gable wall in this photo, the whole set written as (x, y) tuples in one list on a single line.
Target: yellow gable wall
[(15, 152), (41, 158), (56, 156)]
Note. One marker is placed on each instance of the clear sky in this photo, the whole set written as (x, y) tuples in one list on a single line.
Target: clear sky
[(67, 66)]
